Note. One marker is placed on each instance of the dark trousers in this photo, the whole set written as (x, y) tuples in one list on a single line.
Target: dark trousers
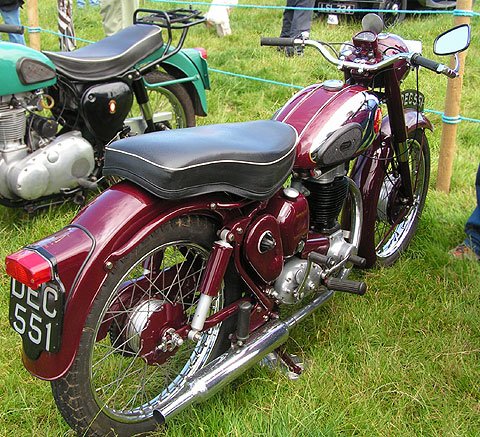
[(294, 21)]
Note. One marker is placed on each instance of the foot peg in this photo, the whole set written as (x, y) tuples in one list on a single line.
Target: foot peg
[(330, 261), (345, 285)]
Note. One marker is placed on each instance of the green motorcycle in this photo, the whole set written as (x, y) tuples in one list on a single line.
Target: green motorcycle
[(58, 110)]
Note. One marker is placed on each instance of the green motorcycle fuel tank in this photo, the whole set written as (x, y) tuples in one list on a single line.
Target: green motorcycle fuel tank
[(24, 69)]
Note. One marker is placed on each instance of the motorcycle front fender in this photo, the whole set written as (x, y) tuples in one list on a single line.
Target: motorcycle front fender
[(368, 173), (114, 223)]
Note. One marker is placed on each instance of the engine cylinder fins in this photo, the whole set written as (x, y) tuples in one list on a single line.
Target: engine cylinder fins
[(325, 202), (12, 125)]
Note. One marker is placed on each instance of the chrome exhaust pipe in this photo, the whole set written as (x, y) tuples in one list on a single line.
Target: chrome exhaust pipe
[(224, 369)]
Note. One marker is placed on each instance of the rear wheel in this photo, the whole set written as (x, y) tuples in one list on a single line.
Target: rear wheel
[(171, 105), (129, 360), (396, 223)]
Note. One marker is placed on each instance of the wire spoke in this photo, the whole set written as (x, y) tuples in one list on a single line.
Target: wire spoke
[(123, 381)]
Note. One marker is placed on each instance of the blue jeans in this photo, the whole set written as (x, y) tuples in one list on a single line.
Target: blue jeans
[(472, 227), (13, 17)]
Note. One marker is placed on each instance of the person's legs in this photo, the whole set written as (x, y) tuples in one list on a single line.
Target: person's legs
[(111, 14), (13, 17), (128, 8), (302, 20), (287, 20), (472, 227)]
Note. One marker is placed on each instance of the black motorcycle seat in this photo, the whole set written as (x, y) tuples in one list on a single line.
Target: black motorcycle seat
[(251, 159), (111, 56)]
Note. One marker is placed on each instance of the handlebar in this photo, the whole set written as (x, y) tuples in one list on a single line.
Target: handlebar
[(438, 68), (11, 28), (412, 58)]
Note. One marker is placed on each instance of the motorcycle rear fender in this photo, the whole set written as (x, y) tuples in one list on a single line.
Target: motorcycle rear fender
[(188, 63), (105, 230), (368, 173)]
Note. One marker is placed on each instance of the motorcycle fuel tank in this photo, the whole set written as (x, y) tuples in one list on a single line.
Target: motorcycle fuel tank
[(331, 118), (24, 69)]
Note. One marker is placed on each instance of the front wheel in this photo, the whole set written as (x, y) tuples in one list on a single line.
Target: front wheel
[(395, 222), (395, 16), (128, 360)]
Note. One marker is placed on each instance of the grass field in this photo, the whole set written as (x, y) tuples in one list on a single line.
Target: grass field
[(404, 360)]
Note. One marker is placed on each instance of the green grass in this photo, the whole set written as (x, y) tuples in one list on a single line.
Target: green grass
[(402, 360)]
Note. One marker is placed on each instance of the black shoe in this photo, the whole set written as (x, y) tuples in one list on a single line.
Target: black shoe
[(289, 52)]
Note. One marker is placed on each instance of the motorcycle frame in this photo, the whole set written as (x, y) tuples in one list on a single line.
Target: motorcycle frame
[(133, 214)]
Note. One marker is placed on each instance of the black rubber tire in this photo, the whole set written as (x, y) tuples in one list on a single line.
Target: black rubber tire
[(74, 393), (391, 249), (178, 98), (391, 19)]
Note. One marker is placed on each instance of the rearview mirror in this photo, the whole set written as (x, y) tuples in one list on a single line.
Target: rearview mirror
[(452, 41)]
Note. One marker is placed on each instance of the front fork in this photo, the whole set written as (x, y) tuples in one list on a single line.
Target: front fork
[(211, 282), (399, 132), (143, 101)]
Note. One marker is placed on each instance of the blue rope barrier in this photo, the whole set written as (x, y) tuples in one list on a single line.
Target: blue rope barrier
[(452, 120), (388, 11), (243, 76), (40, 29)]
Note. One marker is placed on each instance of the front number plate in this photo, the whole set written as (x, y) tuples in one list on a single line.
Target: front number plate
[(413, 99), (37, 315)]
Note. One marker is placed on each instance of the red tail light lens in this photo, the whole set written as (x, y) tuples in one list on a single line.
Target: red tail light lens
[(29, 268), (203, 52), (377, 123)]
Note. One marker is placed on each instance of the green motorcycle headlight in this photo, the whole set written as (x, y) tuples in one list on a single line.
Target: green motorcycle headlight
[(32, 71)]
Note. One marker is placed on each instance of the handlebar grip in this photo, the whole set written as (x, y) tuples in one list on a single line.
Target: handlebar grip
[(11, 28), (433, 65), (427, 63), (286, 42)]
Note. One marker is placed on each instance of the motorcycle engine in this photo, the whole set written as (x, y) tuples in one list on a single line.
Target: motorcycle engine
[(326, 195), (33, 161)]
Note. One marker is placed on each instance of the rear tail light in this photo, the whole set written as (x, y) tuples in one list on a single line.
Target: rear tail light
[(203, 52), (377, 123), (29, 268)]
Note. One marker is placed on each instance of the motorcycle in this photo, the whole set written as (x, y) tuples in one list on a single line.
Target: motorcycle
[(171, 283), (58, 110)]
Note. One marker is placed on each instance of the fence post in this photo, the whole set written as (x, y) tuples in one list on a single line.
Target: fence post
[(32, 18), (452, 111)]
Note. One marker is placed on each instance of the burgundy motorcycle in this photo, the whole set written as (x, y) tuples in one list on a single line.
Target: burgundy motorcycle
[(169, 284)]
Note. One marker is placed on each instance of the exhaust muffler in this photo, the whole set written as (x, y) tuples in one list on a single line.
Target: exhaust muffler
[(224, 369)]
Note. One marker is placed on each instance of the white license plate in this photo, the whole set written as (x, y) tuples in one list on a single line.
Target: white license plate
[(37, 315), (344, 8)]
